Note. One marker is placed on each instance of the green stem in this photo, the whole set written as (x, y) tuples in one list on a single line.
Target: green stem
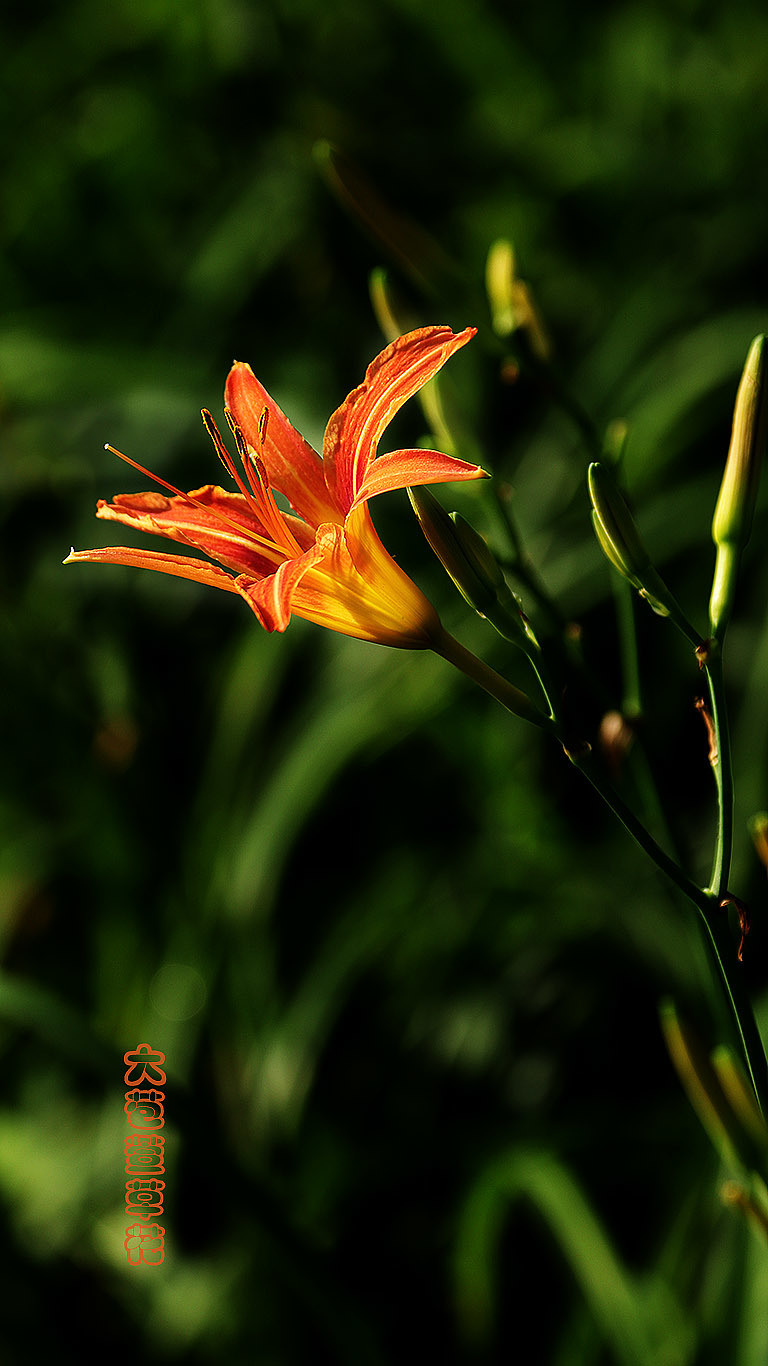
[(718, 938), (631, 704), (521, 565), (503, 691), (632, 710), (706, 900), (586, 764), (565, 400), (536, 660), (723, 771), (717, 933)]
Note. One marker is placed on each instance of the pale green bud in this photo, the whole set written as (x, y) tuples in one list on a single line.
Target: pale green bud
[(511, 300), (620, 541), (732, 522), (471, 564)]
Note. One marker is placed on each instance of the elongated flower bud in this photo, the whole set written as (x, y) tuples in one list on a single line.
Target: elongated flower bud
[(499, 281), (474, 569), (620, 539), (511, 300), (732, 522)]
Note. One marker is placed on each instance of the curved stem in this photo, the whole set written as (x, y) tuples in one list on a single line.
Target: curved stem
[(706, 900), (718, 937), (522, 566), (667, 865), (716, 933)]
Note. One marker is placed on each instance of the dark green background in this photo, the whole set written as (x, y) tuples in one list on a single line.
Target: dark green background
[(420, 968)]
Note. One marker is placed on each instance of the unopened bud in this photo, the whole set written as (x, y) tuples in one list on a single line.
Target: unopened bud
[(499, 280), (468, 560), (620, 539), (511, 300), (732, 522)]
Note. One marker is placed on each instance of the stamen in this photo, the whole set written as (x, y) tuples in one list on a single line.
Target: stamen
[(195, 502), (225, 457), (258, 479), (258, 497)]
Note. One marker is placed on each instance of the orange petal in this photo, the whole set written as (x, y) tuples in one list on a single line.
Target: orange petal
[(407, 469), (212, 519), (292, 466), (353, 432), (179, 566), (372, 598), (271, 598)]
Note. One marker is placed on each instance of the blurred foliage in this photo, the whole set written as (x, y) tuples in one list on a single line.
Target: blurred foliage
[(404, 968)]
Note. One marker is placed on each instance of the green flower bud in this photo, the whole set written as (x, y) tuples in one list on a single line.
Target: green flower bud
[(732, 522), (474, 569), (511, 300), (620, 539), (499, 281)]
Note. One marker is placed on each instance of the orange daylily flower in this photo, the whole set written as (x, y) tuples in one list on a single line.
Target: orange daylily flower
[(326, 563)]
